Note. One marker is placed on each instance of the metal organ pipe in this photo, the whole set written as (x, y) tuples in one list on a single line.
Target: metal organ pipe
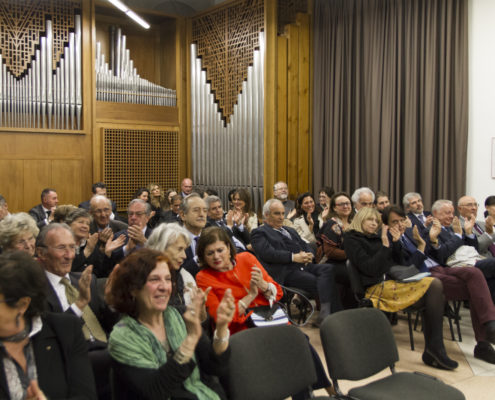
[(38, 97), (120, 81), (231, 155)]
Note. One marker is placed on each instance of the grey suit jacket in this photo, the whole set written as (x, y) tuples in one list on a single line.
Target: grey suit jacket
[(484, 239)]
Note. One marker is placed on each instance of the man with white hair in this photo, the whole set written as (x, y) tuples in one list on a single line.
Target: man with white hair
[(363, 197), (457, 247), (290, 260), (281, 192)]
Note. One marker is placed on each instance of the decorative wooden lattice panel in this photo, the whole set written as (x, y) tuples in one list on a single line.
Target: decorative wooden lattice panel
[(136, 158), (287, 10), (226, 39), (22, 22)]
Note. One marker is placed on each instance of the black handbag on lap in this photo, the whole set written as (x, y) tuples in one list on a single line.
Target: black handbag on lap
[(401, 272)]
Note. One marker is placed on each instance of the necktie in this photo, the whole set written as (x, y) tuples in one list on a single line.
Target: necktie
[(421, 217), (91, 327), (285, 233)]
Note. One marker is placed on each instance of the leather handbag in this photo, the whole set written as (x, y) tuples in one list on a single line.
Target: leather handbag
[(401, 272)]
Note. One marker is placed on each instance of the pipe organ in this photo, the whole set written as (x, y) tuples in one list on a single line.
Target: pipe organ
[(117, 80), (44, 97), (228, 155)]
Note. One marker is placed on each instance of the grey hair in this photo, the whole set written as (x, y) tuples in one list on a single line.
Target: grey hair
[(184, 206), (77, 213), (268, 205), (164, 235), (15, 224), (41, 239), (362, 190), (212, 199), (276, 183), (98, 197), (407, 198), (147, 206), (437, 205)]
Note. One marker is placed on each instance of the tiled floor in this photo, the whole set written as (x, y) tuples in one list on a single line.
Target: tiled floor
[(475, 378)]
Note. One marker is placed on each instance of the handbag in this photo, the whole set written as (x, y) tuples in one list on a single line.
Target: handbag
[(268, 316), (401, 272)]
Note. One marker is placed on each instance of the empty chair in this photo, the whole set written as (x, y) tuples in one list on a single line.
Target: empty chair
[(270, 363), (358, 344)]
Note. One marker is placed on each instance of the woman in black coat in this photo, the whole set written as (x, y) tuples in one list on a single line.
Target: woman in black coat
[(44, 355), (373, 255)]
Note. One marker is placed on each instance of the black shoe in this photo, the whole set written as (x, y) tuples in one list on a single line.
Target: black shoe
[(490, 332), (484, 351), (439, 360)]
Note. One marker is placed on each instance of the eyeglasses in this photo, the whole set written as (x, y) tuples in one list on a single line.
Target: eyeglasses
[(344, 204), (137, 213), (470, 205), (102, 211)]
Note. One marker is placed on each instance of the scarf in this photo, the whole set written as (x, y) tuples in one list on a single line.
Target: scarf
[(133, 344)]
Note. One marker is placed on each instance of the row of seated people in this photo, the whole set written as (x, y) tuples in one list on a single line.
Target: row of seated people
[(285, 256)]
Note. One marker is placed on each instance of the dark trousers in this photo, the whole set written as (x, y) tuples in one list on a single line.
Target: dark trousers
[(487, 266), (318, 280), (468, 283)]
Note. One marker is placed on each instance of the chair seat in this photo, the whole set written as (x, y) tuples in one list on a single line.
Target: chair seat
[(405, 386)]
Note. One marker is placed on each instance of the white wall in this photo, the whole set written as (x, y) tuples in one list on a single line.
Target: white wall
[(479, 183)]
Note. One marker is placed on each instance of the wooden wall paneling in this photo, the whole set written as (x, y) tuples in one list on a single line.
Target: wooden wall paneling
[(67, 178), (293, 110), (37, 176), (282, 109), (12, 187), (270, 106), (304, 149)]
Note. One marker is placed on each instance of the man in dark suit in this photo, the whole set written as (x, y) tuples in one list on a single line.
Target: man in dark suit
[(186, 187), (99, 188), (289, 259), (413, 205), (238, 233), (134, 237), (43, 213), (76, 294), (452, 245), (193, 213), (172, 215), (100, 209), (464, 283)]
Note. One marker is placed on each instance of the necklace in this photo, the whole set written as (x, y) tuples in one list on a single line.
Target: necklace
[(19, 336)]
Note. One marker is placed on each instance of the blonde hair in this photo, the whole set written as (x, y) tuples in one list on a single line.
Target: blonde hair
[(364, 214)]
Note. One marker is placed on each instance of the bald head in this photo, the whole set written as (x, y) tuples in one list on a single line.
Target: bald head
[(100, 209), (467, 206), (186, 186)]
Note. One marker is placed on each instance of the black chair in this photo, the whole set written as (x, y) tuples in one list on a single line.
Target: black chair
[(270, 363), (359, 292), (359, 343)]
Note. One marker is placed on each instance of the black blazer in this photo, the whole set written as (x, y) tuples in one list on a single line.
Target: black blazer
[(274, 250), (416, 222), (449, 242), (39, 215), (114, 225), (105, 316), (243, 236), (62, 363)]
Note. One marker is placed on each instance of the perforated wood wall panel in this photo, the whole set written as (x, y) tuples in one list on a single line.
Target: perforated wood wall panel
[(135, 158), (226, 39), (22, 22), (287, 11)]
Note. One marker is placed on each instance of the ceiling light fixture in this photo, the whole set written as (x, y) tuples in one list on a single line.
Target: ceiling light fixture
[(131, 14)]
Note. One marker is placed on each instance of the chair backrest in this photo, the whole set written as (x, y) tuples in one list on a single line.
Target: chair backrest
[(355, 280), (269, 363), (357, 343)]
